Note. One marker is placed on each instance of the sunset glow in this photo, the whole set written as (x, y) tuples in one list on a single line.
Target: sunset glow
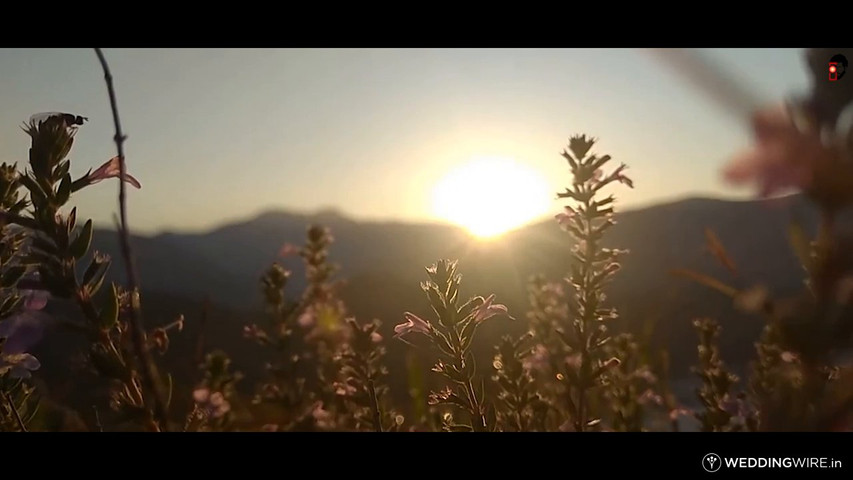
[(490, 196)]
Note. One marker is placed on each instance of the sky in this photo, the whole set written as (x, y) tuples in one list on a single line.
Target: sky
[(220, 135)]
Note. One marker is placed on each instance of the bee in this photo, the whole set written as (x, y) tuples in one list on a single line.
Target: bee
[(68, 119)]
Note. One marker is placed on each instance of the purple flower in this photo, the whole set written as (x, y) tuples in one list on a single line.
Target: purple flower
[(413, 323), (487, 309), (111, 169), (25, 329)]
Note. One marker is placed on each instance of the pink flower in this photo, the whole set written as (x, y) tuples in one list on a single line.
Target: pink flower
[(201, 395), (487, 309), (289, 249), (784, 156), (323, 418), (413, 323), (214, 404), (375, 337), (344, 389), (618, 176), (111, 169), (308, 318), (564, 218)]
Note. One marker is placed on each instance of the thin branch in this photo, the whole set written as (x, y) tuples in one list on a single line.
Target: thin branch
[(15, 412), (149, 374), (374, 406)]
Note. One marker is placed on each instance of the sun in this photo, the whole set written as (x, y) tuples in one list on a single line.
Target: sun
[(490, 196)]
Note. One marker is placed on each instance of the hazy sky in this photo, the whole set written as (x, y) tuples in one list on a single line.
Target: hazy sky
[(218, 135)]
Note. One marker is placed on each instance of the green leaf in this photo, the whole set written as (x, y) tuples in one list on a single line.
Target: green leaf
[(109, 314), (72, 221), (63, 193), (80, 245), (62, 169), (93, 269), (96, 282)]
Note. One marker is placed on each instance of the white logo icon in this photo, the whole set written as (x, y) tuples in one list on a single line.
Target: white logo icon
[(712, 462)]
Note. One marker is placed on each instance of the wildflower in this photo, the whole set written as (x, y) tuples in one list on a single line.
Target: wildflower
[(487, 310), (649, 397), (678, 412), (308, 318), (322, 417), (212, 403), (25, 329), (344, 389), (580, 145), (289, 249), (413, 324), (788, 157), (618, 176), (111, 169), (565, 218), (788, 357)]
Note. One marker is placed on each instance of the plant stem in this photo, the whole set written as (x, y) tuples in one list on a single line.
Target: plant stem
[(374, 406), (15, 412), (149, 375)]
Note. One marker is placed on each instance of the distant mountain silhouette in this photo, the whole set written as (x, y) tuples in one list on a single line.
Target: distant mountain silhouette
[(384, 262)]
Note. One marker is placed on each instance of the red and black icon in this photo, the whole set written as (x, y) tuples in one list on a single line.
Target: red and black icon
[(837, 67)]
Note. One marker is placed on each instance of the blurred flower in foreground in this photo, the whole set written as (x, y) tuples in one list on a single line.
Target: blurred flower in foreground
[(25, 329), (289, 249), (111, 169), (786, 156)]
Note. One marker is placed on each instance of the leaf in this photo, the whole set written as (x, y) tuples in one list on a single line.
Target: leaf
[(72, 221), (63, 193), (706, 280), (109, 314), (80, 245), (62, 169), (93, 269)]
